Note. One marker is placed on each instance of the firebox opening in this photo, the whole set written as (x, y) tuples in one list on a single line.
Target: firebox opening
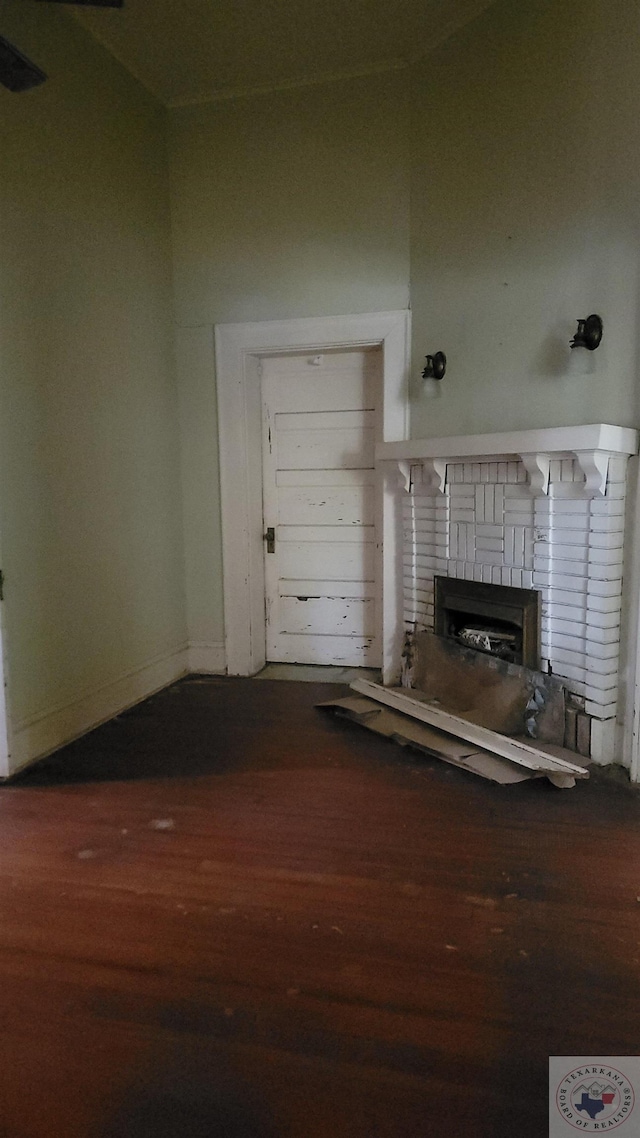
[(498, 619)]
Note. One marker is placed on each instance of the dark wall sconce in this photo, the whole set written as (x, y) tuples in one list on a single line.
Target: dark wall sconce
[(589, 333), (435, 366)]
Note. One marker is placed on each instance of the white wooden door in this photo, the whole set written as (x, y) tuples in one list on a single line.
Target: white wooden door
[(320, 418)]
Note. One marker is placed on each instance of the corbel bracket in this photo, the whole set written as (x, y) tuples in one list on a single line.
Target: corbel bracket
[(537, 468), (434, 474), (594, 464), (430, 473), (404, 468)]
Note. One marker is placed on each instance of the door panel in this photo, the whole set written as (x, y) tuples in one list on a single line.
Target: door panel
[(316, 478), (325, 616), (348, 651), (320, 417), (305, 587), (320, 449), (325, 506), (347, 562), (354, 534)]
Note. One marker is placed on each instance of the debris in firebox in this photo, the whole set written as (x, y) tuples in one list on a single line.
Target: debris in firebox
[(504, 645)]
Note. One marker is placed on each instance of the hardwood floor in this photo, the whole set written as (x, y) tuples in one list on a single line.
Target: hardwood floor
[(227, 913)]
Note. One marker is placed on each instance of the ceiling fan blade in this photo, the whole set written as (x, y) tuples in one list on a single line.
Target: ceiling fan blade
[(89, 3), (16, 71)]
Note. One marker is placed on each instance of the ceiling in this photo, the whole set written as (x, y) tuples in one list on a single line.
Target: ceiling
[(188, 51)]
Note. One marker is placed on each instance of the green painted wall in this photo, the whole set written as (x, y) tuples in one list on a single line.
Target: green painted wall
[(292, 203), (525, 210), (284, 205), (89, 464), (496, 184)]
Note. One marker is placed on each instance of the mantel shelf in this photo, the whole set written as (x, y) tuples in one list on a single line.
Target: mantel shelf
[(550, 441)]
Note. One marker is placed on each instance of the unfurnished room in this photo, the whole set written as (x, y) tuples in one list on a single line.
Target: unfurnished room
[(320, 568)]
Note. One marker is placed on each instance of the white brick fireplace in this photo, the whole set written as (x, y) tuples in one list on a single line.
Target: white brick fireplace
[(542, 510)]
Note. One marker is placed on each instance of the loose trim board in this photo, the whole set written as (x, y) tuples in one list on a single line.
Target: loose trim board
[(408, 732), (481, 737)]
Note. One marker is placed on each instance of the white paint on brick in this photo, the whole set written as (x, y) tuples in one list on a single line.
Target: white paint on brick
[(603, 635), (551, 565), (616, 490), (488, 544), (567, 596), (596, 603), (607, 507), (600, 710), (602, 666), (603, 740), (596, 650), (548, 505), (486, 526), (600, 695), (518, 492), (562, 656), (569, 671), (603, 619), (517, 516), (606, 524), (611, 556), (573, 643)]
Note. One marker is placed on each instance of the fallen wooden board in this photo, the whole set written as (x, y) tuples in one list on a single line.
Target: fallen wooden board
[(517, 752), (408, 732)]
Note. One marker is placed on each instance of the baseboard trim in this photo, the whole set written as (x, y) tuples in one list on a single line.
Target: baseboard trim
[(207, 657), (36, 738)]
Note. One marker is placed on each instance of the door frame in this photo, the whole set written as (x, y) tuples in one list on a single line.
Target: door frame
[(628, 728), (6, 734), (238, 348)]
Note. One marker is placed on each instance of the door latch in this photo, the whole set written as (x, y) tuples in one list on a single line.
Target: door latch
[(270, 538)]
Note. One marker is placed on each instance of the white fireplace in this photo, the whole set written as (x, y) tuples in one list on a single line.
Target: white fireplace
[(543, 510)]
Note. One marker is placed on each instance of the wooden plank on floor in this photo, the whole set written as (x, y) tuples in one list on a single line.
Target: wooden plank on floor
[(482, 737), (409, 732)]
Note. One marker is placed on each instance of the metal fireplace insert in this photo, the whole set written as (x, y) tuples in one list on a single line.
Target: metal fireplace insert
[(498, 619)]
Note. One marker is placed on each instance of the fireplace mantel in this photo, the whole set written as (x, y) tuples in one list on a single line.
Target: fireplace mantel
[(552, 440), (541, 509), (592, 445)]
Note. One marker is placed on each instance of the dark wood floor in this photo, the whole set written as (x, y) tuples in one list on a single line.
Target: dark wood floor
[(226, 913)]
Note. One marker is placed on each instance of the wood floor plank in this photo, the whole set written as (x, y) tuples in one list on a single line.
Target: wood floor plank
[(226, 912)]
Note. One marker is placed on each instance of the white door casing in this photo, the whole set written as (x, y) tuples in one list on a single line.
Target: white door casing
[(5, 725), (238, 351), (319, 493)]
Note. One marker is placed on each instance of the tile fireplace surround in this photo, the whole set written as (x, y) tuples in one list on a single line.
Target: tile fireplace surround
[(542, 509)]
